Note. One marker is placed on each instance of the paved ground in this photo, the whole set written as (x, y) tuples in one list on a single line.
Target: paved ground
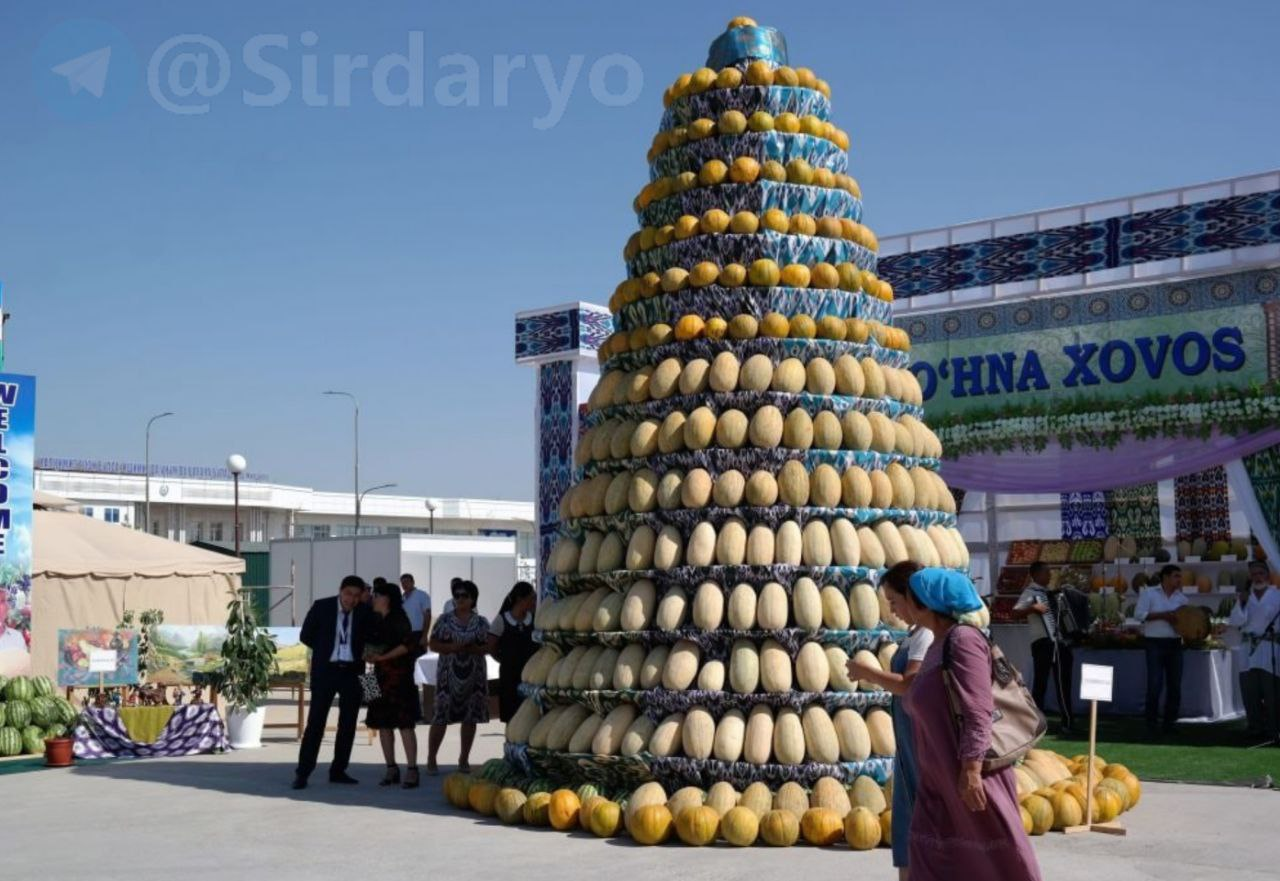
[(233, 816)]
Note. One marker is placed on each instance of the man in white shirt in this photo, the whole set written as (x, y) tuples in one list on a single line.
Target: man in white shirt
[(1257, 614), (1049, 653), (1158, 611), (417, 606)]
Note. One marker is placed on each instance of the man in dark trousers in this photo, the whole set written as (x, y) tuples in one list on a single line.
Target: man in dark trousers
[(1050, 654), (335, 630)]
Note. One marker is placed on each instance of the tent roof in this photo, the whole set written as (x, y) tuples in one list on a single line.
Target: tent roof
[(50, 502), (71, 545)]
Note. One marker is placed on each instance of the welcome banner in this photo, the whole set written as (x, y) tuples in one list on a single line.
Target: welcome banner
[(17, 487)]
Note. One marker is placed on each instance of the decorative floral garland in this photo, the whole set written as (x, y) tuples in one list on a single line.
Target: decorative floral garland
[(1105, 423)]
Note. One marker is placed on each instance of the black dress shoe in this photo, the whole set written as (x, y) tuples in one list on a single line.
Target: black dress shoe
[(299, 783), (343, 778)]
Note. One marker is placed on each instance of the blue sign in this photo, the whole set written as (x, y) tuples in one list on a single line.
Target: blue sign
[(17, 487)]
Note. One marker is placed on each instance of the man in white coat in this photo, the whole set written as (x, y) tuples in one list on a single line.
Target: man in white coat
[(1257, 614)]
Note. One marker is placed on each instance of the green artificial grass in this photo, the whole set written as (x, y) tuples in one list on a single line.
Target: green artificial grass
[(26, 763), (1191, 754)]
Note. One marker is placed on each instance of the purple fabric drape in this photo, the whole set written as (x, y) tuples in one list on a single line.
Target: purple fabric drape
[(1055, 470)]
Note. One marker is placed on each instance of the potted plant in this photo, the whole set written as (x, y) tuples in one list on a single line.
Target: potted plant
[(60, 742), (244, 679)]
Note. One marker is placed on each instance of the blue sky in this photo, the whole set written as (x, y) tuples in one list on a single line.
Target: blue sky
[(233, 264)]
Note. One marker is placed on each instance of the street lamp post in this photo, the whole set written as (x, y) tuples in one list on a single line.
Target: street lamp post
[(146, 492), (431, 510), (356, 485), (236, 465), (355, 553)]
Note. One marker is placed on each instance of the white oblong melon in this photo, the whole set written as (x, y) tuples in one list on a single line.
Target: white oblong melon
[(771, 607), (585, 734), (539, 665), (567, 610), (864, 608), (587, 611), (666, 738), (757, 748), (820, 738), (873, 556), (744, 667), (564, 557), (852, 733), (775, 667), (654, 664), (880, 728), (815, 547), (813, 672), (711, 676), (672, 610), (742, 607), (760, 546), (866, 793), (788, 737), (698, 734), (682, 665), (626, 673), (835, 608), (585, 667), (613, 553), (608, 615), (668, 550), (867, 659), (838, 669), (590, 551), (521, 724), (708, 606), (538, 734), (640, 548), (566, 724), (701, 549), (885, 655), (547, 615), (639, 605), (788, 544), (602, 674), (731, 543), (806, 600), (636, 739), (845, 550), (895, 551), (731, 735), (561, 675)]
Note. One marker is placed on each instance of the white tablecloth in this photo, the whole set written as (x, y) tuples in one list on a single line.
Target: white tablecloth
[(1210, 688), (424, 671)]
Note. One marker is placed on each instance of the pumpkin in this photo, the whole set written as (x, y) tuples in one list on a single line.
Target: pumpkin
[(757, 798), (822, 826), (564, 809), (862, 829), (646, 794), (1041, 812), (537, 809), (605, 819), (481, 796), (698, 825), (509, 805), (886, 829), (651, 824), (740, 826), (1066, 811), (779, 828)]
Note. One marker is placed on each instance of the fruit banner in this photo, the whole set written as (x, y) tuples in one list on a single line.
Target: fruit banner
[(17, 486), (76, 649)]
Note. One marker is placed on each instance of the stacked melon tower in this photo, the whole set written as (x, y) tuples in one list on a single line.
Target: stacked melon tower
[(754, 458)]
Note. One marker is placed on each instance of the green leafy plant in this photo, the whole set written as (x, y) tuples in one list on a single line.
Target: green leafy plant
[(248, 659), (148, 655)]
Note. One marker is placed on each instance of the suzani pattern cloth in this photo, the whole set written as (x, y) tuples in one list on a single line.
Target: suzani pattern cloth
[(193, 729), (1135, 511), (1084, 515), (1201, 508), (1264, 474)]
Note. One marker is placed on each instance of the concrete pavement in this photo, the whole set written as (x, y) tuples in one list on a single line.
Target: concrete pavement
[(234, 816)]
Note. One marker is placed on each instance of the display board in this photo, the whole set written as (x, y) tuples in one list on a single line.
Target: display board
[(95, 656), (185, 650), (17, 486)]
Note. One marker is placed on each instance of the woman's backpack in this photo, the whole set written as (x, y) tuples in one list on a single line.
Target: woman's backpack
[(1017, 724)]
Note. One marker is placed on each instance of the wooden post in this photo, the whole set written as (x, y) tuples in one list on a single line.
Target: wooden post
[(1087, 825)]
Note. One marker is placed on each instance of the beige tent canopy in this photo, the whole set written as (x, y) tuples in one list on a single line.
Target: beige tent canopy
[(85, 573)]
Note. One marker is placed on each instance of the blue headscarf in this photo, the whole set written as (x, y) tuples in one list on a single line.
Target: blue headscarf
[(945, 591)]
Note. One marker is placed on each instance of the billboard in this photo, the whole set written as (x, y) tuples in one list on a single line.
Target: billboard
[(17, 485)]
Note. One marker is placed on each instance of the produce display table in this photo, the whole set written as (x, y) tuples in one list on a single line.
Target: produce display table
[(192, 729), (1210, 691), (145, 724)]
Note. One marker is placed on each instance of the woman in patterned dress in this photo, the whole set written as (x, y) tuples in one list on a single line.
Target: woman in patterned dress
[(966, 822), (461, 639), (398, 708)]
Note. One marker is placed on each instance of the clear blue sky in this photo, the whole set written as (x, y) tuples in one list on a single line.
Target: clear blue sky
[(232, 265)]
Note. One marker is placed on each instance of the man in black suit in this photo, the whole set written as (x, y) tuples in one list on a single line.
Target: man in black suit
[(335, 630)]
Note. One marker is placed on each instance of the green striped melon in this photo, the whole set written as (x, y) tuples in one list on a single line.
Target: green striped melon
[(43, 712), (586, 791), (17, 714), (3, 713), (66, 710), (33, 740), (56, 731), (10, 742), (19, 689), (42, 685)]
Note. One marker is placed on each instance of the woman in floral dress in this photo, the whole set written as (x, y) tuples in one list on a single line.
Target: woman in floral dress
[(461, 639), (966, 822)]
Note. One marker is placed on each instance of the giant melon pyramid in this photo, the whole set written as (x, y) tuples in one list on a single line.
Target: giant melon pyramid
[(754, 457)]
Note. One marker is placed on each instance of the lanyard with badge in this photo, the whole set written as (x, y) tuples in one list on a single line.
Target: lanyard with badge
[(344, 633)]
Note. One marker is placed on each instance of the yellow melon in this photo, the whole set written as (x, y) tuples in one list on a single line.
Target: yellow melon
[(651, 824), (509, 805), (698, 825), (606, 819), (780, 828), (862, 829), (1041, 812), (537, 809), (740, 826)]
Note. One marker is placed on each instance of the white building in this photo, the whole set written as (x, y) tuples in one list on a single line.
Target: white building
[(191, 504)]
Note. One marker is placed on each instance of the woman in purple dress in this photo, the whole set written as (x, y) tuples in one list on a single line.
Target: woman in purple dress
[(966, 823)]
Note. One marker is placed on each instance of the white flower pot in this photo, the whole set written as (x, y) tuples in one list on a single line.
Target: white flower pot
[(244, 730)]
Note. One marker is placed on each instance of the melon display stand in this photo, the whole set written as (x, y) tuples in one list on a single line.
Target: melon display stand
[(753, 363)]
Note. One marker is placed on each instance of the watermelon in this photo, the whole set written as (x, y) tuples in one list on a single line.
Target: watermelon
[(17, 714), (19, 689), (586, 790), (42, 685), (33, 740), (43, 712), (2, 713), (66, 710), (10, 742), (4, 680), (55, 731)]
